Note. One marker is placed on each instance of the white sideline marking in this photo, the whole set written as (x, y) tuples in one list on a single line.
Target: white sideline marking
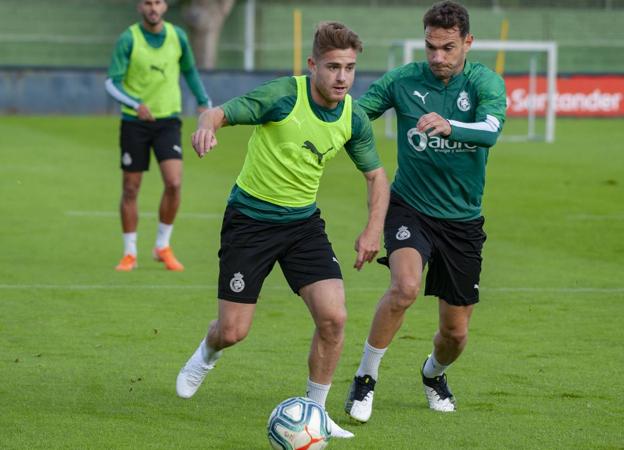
[(86, 287), (145, 214), (594, 217)]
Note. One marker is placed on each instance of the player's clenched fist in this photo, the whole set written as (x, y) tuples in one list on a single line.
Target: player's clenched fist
[(203, 141)]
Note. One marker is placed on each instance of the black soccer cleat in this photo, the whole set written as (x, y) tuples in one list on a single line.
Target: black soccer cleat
[(359, 404)]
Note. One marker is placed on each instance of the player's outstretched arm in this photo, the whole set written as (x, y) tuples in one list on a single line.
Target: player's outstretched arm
[(367, 244), (204, 138)]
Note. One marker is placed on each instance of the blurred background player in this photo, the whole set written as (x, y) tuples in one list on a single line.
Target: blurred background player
[(449, 113), (144, 77), (302, 122)]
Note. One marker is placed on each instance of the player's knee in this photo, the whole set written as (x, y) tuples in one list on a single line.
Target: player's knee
[(404, 292), (173, 187), (455, 336), (231, 335), (130, 191), (332, 327)]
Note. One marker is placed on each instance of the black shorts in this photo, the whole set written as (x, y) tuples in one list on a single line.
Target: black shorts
[(137, 137), (250, 248), (452, 249)]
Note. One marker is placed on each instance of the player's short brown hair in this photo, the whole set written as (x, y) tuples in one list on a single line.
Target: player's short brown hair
[(332, 36), (448, 14)]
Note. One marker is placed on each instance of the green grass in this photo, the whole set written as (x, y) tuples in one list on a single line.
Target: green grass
[(88, 356)]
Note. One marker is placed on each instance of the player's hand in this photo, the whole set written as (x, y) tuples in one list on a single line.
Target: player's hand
[(434, 124), (367, 247), (204, 140), (144, 113)]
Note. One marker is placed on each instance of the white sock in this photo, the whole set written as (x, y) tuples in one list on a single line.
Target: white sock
[(208, 353), (433, 368), (130, 240), (163, 235), (369, 365), (317, 392)]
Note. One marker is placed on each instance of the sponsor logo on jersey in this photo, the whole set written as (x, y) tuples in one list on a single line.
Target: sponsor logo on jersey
[(237, 284), (126, 159), (319, 156), (403, 233), (422, 97), (161, 70), (419, 141), (463, 102)]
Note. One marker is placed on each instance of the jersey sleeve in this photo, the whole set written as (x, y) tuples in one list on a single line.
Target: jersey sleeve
[(117, 71), (269, 102), (189, 70), (361, 147), (378, 98), (490, 113)]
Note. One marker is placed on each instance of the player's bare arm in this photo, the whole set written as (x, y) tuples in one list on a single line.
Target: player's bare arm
[(367, 244), (434, 124), (204, 138)]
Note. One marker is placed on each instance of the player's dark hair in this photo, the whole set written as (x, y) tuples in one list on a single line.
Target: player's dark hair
[(448, 14), (332, 36)]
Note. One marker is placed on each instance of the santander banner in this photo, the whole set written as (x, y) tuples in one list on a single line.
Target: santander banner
[(577, 95)]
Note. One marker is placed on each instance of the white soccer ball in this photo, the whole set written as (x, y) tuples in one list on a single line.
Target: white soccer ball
[(298, 423)]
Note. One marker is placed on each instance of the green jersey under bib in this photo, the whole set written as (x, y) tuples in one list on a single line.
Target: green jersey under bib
[(442, 177), (285, 160), (153, 74)]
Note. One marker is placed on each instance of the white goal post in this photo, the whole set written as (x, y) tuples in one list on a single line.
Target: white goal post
[(407, 48)]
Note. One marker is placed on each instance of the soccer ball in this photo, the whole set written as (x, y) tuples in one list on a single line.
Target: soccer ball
[(298, 423)]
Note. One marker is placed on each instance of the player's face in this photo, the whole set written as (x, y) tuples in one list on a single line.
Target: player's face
[(446, 51), (331, 76), (152, 11)]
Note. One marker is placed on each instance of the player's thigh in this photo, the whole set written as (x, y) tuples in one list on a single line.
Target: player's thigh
[(325, 300), (171, 171), (309, 257), (236, 316), (247, 254), (135, 139), (454, 319), (167, 140)]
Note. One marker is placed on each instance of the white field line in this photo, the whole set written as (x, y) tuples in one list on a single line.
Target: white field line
[(144, 214), (89, 287)]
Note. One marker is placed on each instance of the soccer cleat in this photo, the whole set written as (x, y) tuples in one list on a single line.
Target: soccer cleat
[(336, 432), (194, 371), (438, 394), (359, 404), (166, 255), (127, 263)]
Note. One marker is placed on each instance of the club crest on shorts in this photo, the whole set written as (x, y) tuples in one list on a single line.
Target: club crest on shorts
[(126, 159), (463, 102), (403, 233), (236, 283)]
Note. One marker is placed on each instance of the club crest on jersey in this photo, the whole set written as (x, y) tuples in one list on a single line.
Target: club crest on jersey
[(237, 284), (463, 102), (403, 233)]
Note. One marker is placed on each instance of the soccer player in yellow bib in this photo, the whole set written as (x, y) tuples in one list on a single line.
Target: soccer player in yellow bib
[(144, 77), (301, 123)]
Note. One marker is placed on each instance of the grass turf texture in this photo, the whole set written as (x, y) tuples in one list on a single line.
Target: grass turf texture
[(88, 356)]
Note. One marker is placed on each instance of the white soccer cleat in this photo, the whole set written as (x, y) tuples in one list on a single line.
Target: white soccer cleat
[(359, 404), (194, 371), (336, 432), (438, 394)]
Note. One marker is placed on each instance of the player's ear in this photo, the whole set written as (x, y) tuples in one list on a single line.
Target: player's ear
[(468, 41), (311, 64)]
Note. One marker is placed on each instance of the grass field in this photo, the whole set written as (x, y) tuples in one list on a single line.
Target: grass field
[(89, 357)]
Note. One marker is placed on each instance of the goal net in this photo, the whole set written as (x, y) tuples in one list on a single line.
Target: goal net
[(531, 66)]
